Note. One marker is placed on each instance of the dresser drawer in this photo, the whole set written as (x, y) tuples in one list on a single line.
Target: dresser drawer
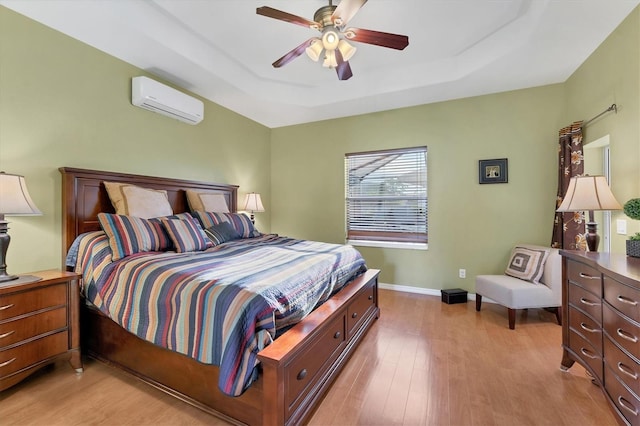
[(358, 309), (624, 298), (587, 327), (19, 303), (621, 330), (624, 400), (586, 301), (19, 357), (624, 367), (587, 353), (303, 371), (585, 276), (24, 328)]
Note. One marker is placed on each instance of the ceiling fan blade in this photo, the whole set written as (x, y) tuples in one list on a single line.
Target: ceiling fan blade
[(346, 10), (393, 41), (287, 17), (294, 53), (343, 69)]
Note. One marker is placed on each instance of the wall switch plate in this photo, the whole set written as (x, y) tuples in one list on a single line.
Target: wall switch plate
[(462, 273), (621, 226)]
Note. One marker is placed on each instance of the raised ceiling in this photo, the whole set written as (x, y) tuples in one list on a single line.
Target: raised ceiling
[(222, 50)]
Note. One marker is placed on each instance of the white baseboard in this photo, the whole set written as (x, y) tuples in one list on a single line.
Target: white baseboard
[(425, 291)]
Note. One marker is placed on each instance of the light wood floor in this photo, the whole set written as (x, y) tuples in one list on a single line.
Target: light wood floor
[(422, 363)]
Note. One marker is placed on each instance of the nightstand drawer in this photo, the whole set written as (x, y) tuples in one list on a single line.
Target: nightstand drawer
[(624, 367), (585, 301), (17, 358), (26, 327), (587, 327), (621, 330), (624, 298), (587, 353), (19, 303), (585, 276)]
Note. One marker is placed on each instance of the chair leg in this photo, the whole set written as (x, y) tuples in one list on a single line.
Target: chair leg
[(478, 302), (512, 318), (558, 315)]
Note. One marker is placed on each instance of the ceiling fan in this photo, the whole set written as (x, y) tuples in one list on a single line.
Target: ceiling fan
[(331, 22)]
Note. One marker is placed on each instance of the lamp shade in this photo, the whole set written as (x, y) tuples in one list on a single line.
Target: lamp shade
[(588, 193), (253, 203), (314, 50), (14, 197)]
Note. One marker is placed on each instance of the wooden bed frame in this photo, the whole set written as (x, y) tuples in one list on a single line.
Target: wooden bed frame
[(296, 370)]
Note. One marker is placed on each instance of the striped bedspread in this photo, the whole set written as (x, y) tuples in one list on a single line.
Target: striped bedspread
[(220, 306)]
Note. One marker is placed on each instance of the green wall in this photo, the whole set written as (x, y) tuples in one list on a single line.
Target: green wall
[(63, 103)]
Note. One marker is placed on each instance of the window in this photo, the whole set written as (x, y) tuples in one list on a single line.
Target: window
[(386, 196)]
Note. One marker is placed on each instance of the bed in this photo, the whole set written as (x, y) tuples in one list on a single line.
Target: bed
[(295, 370)]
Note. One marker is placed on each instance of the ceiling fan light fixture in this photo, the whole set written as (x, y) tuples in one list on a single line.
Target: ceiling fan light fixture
[(330, 59), (330, 39), (346, 50), (314, 50)]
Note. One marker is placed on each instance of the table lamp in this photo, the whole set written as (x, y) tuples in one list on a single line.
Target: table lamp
[(253, 203)]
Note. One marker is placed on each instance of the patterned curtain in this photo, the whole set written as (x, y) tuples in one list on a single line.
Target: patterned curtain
[(569, 227)]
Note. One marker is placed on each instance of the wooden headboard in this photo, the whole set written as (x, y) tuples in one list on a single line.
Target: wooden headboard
[(84, 196)]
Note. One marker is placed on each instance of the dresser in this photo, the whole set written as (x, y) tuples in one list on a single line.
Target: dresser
[(39, 318), (601, 331)]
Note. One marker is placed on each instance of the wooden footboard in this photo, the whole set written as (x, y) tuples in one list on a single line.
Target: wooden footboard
[(297, 369)]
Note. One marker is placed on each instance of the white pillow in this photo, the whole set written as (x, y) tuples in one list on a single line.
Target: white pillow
[(207, 201), (527, 264), (132, 200)]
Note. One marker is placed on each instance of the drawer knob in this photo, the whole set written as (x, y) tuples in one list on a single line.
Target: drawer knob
[(354, 315), (2, 308), (587, 353), (628, 371), (7, 334), (370, 297), (337, 335), (627, 406), (302, 374), (627, 300), (625, 335), (4, 364), (587, 302)]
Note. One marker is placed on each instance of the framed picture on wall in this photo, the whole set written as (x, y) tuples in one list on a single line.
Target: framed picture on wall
[(494, 171)]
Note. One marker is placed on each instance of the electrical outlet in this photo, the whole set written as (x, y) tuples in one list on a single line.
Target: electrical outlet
[(462, 273)]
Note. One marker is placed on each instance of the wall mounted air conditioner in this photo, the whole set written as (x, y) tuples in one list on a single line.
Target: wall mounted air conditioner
[(157, 97)]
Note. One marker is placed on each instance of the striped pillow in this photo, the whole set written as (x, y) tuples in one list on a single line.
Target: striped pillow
[(130, 235), (186, 233), (241, 222), (222, 233)]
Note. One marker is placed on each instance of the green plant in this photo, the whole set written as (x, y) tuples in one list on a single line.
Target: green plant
[(635, 237), (632, 208)]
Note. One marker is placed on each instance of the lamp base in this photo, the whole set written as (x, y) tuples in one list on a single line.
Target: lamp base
[(7, 277), (19, 279), (592, 237)]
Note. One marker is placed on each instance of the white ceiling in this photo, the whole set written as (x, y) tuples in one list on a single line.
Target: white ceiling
[(222, 50)]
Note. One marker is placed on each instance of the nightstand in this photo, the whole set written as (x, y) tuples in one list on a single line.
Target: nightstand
[(39, 324)]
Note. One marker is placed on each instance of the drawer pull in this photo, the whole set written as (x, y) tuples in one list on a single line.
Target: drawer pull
[(337, 335), (627, 300), (354, 315), (628, 371), (587, 276), (587, 302), (2, 308), (625, 335), (627, 406), (4, 364), (302, 374), (7, 334), (587, 353), (587, 328)]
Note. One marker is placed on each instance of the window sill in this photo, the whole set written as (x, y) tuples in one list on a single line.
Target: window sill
[(388, 244)]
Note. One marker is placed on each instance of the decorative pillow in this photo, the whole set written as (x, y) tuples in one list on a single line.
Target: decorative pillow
[(221, 233), (207, 201), (527, 264), (132, 200), (240, 221), (129, 235), (186, 233)]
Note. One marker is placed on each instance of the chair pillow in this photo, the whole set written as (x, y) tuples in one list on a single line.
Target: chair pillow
[(132, 200), (221, 233), (130, 235), (240, 221), (185, 233), (527, 264)]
